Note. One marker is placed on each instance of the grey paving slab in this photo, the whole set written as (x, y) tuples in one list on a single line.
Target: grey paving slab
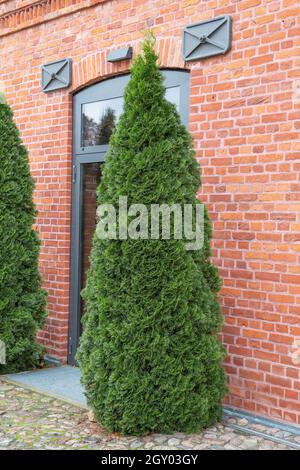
[(61, 382)]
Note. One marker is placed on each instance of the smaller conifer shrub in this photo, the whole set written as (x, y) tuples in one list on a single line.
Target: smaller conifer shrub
[(22, 299)]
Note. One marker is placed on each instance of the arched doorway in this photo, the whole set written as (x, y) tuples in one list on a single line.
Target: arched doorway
[(96, 110)]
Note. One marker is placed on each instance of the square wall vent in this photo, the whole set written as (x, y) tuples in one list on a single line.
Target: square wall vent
[(207, 38)]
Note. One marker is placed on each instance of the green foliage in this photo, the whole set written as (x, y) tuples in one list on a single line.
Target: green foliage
[(149, 354), (22, 300)]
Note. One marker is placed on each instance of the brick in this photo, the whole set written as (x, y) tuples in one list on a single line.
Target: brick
[(289, 278), (248, 4), (290, 405), (244, 235), (274, 117), (255, 334), (260, 60), (277, 338), (250, 374), (280, 381)]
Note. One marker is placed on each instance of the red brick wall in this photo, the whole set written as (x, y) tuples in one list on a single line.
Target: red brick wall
[(245, 122)]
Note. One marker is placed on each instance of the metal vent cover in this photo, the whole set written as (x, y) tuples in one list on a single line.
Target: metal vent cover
[(207, 38), (56, 75), (120, 54)]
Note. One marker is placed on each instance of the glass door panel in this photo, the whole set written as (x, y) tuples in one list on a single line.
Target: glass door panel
[(91, 175), (98, 121)]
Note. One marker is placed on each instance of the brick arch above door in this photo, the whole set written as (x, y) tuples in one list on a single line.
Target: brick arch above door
[(95, 66)]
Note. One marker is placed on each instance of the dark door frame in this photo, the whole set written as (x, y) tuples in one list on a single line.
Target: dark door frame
[(107, 89)]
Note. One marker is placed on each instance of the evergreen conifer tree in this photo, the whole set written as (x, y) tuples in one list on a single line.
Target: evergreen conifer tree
[(149, 354), (22, 300)]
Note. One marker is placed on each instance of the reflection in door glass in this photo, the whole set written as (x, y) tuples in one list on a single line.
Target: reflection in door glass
[(98, 121), (90, 181)]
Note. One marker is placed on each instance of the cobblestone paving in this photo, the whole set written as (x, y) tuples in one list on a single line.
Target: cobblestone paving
[(29, 420)]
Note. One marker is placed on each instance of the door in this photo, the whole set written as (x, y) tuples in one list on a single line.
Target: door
[(96, 111)]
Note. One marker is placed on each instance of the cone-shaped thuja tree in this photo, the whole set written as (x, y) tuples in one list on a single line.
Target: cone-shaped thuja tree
[(149, 354), (22, 300)]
